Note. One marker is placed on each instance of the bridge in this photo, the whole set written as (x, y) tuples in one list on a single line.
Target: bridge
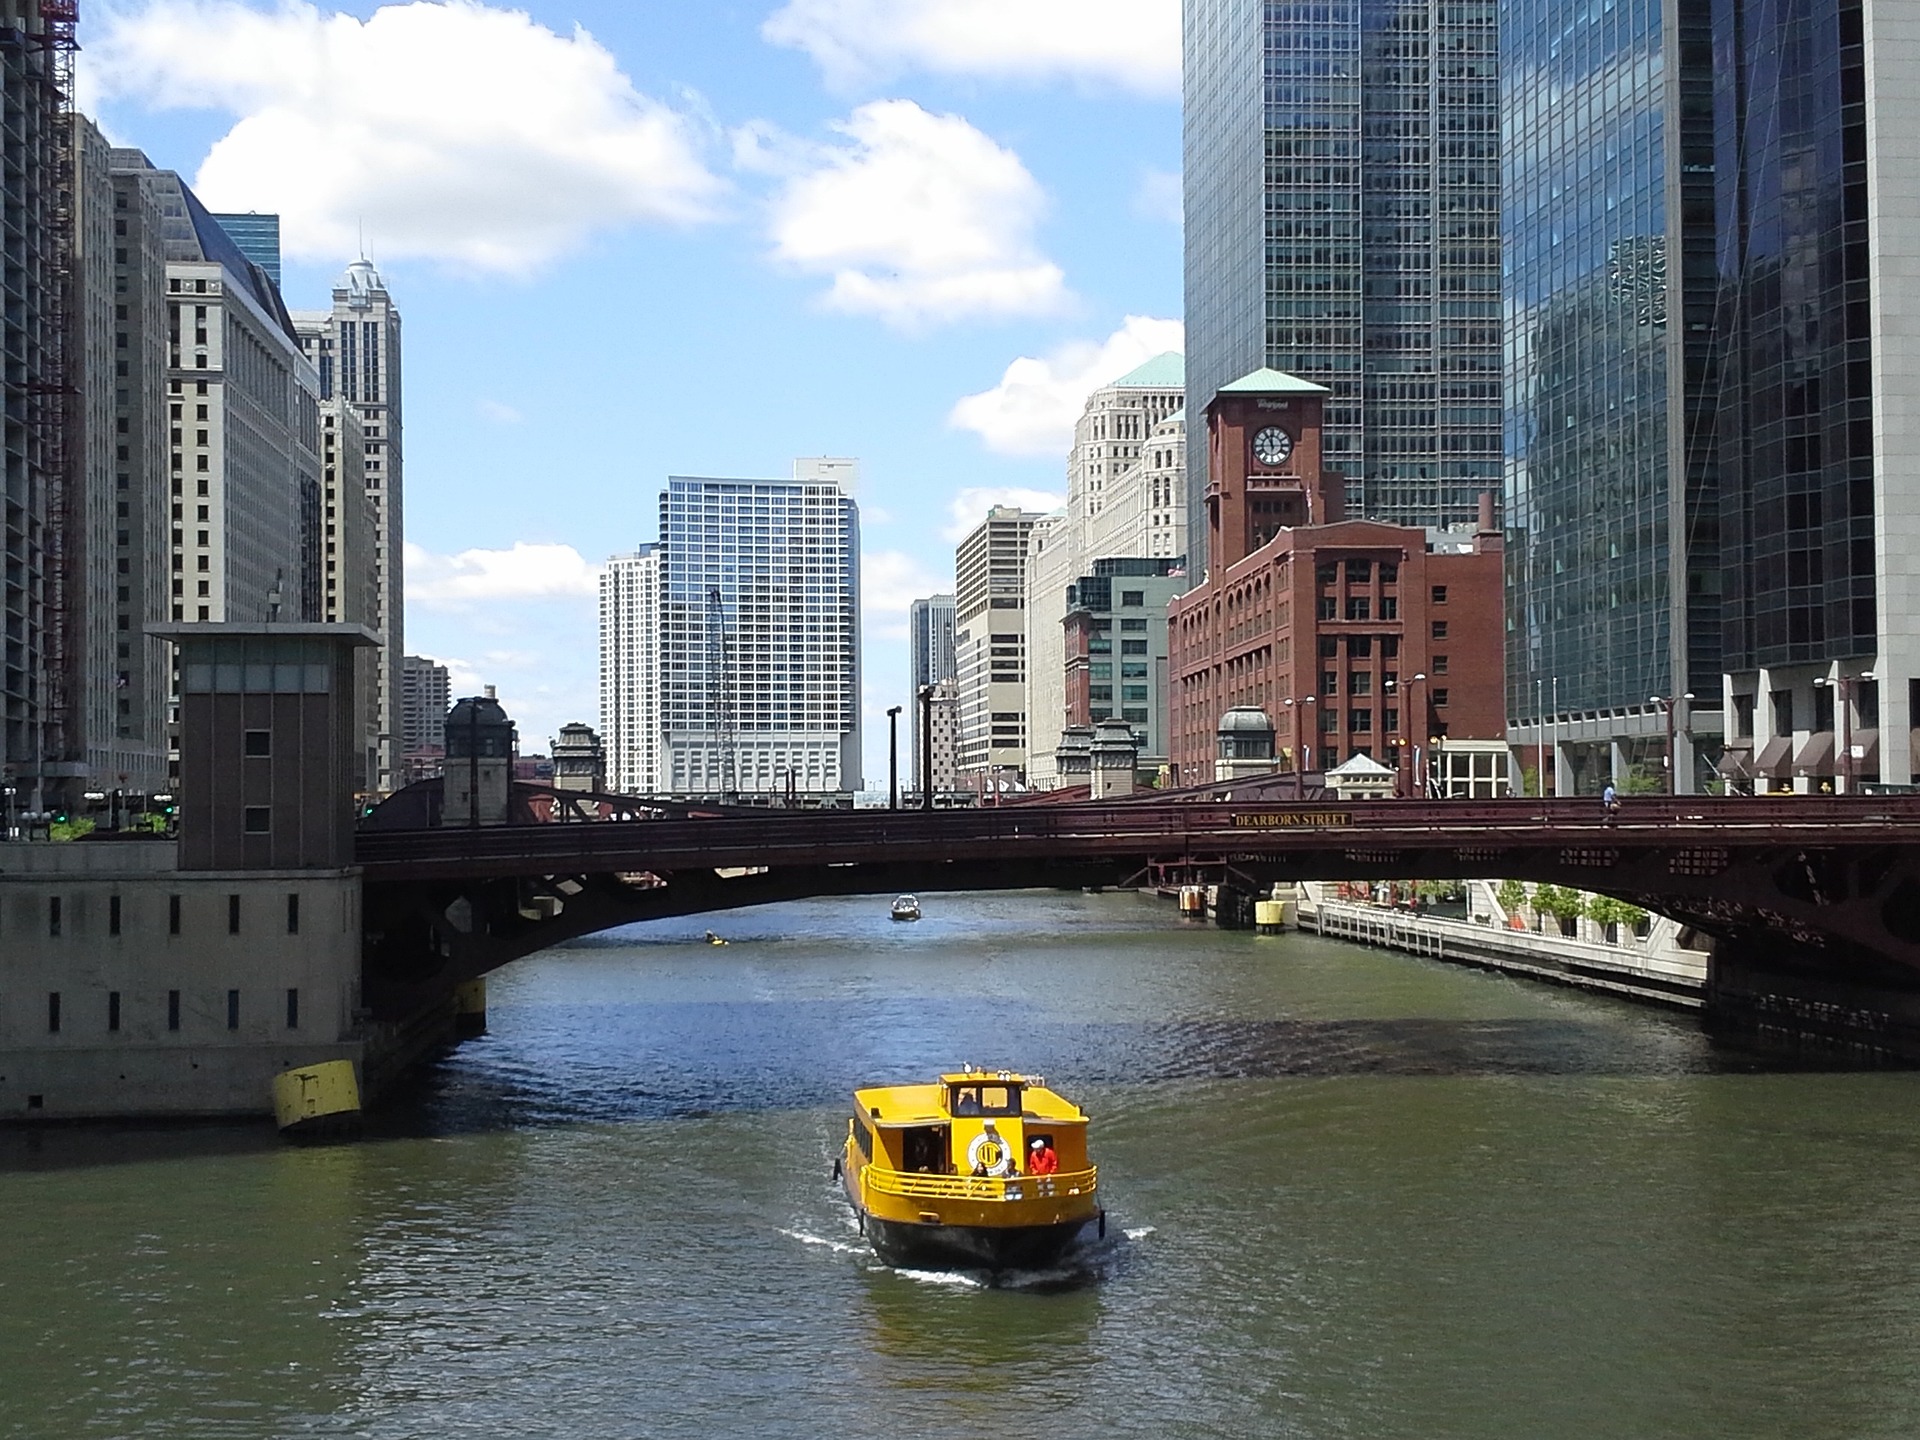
[(1813, 902)]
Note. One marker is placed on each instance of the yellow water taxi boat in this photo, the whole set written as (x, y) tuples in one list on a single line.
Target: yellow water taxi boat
[(984, 1169)]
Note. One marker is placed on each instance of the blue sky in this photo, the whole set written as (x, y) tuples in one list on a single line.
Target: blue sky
[(639, 239)]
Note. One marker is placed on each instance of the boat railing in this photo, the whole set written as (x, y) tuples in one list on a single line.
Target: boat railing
[(978, 1187)]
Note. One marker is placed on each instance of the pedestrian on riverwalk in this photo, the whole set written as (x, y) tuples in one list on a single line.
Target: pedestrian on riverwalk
[(1609, 803)]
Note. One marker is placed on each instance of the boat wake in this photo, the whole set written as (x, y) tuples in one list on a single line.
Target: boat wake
[(838, 1247)]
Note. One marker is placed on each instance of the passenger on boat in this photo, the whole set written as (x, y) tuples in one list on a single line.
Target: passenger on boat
[(1043, 1160)]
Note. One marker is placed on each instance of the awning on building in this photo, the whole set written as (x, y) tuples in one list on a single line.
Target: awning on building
[(1737, 760), (1866, 762), (1774, 755), (1816, 756)]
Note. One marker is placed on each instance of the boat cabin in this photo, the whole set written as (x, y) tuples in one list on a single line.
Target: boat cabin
[(972, 1122)]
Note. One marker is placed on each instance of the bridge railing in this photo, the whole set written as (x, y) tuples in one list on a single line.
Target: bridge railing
[(777, 837)]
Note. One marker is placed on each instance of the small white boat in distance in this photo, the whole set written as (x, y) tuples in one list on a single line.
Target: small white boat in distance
[(906, 907)]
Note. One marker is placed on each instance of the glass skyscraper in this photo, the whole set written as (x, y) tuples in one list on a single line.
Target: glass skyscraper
[(1342, 225), (1612, 511), (1817, 103)]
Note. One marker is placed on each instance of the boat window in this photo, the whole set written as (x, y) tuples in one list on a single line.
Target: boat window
[(924, 1150), (863, 1137), (993, 1099)]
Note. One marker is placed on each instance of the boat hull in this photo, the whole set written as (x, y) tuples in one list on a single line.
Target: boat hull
[(919, 1246)]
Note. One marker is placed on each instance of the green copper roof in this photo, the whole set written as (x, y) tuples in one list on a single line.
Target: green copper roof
[(1273, 382), (1163, 372)]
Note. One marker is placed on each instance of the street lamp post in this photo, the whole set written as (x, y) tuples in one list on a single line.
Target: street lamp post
[(1667, 703), (1843, 685), (1302, 746), (893, 757)]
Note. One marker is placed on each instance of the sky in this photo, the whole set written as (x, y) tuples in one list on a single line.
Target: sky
[(633, 239)]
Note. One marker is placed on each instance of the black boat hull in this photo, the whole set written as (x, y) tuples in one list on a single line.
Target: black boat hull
[(972, 1247)]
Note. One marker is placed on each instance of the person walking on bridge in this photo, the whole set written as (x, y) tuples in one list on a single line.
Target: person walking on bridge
[(1609, 803)]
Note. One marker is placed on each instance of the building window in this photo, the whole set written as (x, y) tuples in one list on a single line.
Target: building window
[(293, 1008), (53, 916), (1743, 717), (173, 914), (1439, 664), (1133, 598), (1389, 572), (173, 1009), (233, 914), (1360, 682), (293, 914), (1329, 682), (1359, 607), (53, 1012), (1390, 721), (1439, 629), (1359, 572), (1359, 647), (113, 1010), (1360, 722), (258, 819), (259, 742), (1329, 608), (1329, 721), (1330, 645), (113, 915), (1439, 594), (233, 1009), (1440, 699), (1389, 607)]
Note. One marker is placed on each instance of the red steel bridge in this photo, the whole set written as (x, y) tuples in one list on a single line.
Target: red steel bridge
[(1813, 903)]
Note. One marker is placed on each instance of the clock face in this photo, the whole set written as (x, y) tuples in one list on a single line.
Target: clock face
[(1272, 445)]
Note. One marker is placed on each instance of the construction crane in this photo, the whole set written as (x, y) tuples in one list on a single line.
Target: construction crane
[(720, 690), (53, 408)]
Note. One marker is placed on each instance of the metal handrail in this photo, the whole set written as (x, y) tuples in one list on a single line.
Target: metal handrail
[(974, 1187)]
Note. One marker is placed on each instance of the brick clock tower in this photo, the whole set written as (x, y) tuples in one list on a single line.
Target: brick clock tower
[(1263, 465)]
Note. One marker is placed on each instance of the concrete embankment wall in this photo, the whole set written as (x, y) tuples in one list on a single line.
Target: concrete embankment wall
[(1653, 968)]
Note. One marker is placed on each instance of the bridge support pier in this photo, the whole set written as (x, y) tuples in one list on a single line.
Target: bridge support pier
[(1780, 1002)]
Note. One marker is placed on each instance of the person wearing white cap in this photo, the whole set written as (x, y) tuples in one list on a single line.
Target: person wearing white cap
[(1041, 1159)]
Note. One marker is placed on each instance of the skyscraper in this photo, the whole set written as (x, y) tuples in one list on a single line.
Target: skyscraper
[(1613, 560), (758, 634), (258, 237), (1342, 178), (630, 655), (243, 407), (990, 647), (356, 349), (930, 660), (1816, 109), (39, 671)]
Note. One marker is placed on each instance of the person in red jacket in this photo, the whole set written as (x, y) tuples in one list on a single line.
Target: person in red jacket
[(1041, 1159)]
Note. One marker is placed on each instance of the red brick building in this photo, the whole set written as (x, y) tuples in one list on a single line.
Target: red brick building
[(1355, 636)]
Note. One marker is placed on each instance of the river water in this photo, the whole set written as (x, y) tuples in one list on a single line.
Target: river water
[(1352, 1194)]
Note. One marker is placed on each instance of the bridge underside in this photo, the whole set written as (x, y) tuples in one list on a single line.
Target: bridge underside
[(1818, 943)]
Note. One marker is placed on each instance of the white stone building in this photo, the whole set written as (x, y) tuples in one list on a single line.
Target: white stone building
[(355, 346), (630, 671), (990, 647), (730, 650)]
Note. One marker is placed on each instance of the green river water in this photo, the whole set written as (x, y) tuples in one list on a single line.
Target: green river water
[(1352, 1194)]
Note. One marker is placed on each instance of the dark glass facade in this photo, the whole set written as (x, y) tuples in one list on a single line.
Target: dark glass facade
[(1612, 506), (1796, 419), (1342, 213)]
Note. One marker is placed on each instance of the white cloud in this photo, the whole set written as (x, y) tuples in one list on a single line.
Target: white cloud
[(1134, 44), (970, 506), (1160, 196), (474, 577), (1033, 409), (890, 581), (499, 412), (453, 131), (918, 218)]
